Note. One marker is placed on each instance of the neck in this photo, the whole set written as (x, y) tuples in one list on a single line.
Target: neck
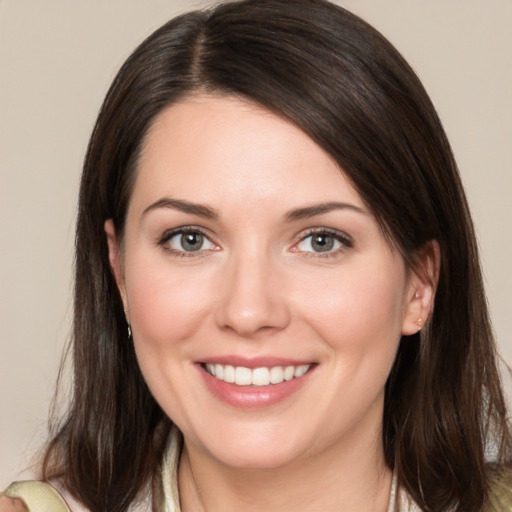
[(343, 478)]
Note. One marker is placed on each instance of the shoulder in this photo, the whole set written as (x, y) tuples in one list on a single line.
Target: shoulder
[(11, 505), (500, 494), (37, 496), (32, 496)]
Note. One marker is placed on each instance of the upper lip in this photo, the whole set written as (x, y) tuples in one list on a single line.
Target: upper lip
[(254, 362)]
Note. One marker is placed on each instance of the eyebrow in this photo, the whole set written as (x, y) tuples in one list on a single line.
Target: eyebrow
[(184, 206), (210, 213), (319, 209)]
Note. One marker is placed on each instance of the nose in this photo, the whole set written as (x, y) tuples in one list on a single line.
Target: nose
[(252, 297)]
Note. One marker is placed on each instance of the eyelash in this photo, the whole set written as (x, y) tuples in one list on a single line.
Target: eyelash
[(168, 235), (345, 240)]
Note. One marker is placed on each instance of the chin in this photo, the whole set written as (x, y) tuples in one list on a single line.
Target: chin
[(261, 447), (257, 459)]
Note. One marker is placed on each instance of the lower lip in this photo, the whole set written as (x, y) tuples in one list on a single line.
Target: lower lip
[(252, 397)]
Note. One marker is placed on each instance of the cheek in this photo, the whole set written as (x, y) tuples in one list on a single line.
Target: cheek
[(358, 313), (166, 309), (165, 306)]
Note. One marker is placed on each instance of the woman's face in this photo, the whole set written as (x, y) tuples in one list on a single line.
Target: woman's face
[(249, 257)]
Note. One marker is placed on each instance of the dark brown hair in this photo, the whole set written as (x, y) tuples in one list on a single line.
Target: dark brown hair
[(343, 84)]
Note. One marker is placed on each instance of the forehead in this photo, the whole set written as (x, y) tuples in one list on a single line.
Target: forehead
[(211, 148)]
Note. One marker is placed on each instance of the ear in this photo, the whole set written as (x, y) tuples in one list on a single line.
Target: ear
[(422, 288), (115, 259)]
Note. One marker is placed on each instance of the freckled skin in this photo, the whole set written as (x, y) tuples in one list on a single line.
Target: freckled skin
[(258, 287)]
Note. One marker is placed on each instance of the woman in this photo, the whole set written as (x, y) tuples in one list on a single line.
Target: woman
[(278, 300)]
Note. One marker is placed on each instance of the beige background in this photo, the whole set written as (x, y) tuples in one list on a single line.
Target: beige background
[(57, 58)]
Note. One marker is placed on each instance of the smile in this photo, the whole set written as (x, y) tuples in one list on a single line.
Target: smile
[(264, 376)]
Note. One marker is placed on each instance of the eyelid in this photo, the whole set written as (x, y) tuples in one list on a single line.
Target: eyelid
[(345, 239), (170, 233)]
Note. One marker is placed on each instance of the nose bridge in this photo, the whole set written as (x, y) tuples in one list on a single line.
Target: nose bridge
[(251, 300)]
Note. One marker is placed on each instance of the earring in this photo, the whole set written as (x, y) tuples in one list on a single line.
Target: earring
[(419, 323), (128, 326)]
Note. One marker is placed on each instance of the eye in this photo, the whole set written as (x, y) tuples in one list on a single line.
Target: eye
[(323, 242), (187, 240)]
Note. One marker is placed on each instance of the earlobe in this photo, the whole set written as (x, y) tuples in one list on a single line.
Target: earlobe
[(115, 258), (422, 288)]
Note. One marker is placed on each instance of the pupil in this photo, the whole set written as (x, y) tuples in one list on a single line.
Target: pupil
[(192, 241), (323, 243)]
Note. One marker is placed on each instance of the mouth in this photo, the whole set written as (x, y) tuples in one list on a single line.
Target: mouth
[(257, 382), (262, 376)]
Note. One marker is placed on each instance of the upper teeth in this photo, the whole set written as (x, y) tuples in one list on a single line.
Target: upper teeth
[(242, 376)]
